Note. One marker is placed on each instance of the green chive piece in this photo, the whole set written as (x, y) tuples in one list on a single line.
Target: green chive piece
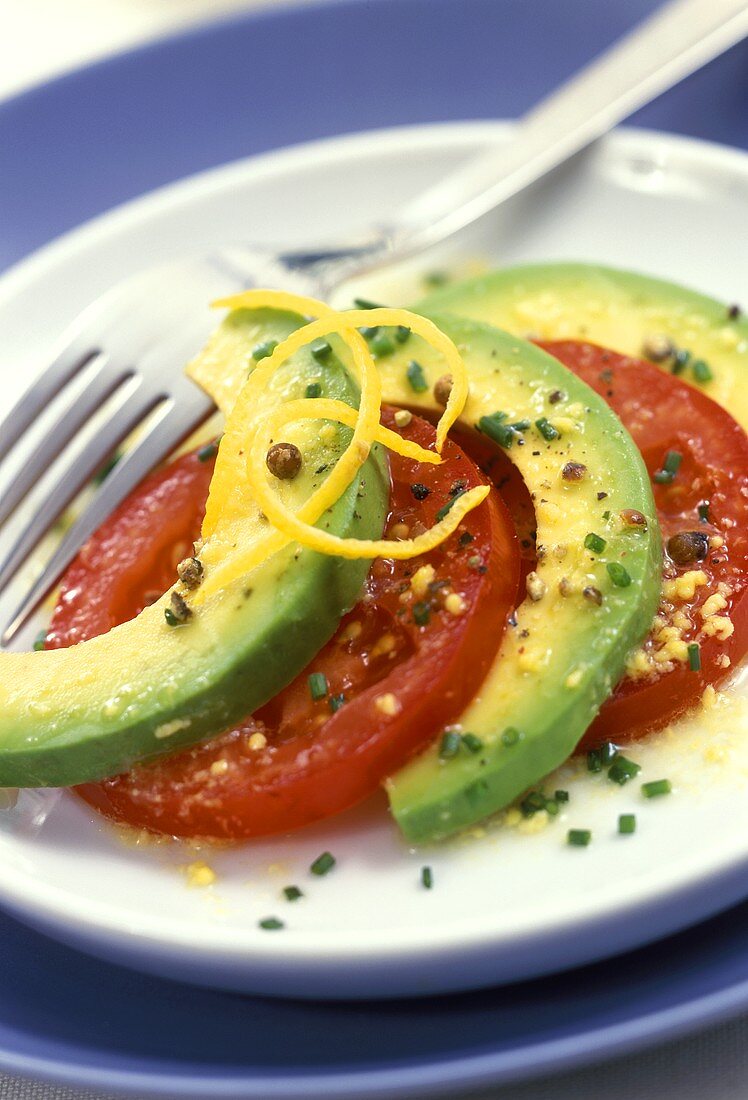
[(620, 577), (264, 350), (578, 838), (595, 543), (472, 742), (402, 334), (680, 362), (416, 377), (561, 796), (318, 686), (606, 515), (672, 462), (314, 389), (500, 433), (627, 824), (445, 507), (465, 538), (546, 429), (702, 371), (369, 332), (335, 702), (449, 745), (704, 512), (170, 617), (40, 642), (694, 657), (106, 469), (366, 303), (656, 787), (594, 763), (551, 807), (510, 736), (663, 477), (321, 350), (323, 864), (421, 613), (608, 752), (521, 425), (382, 345), (292, 893), (436, 278), (427, 878), (210, 450), (622, 770), (271, 924), (532, 803)]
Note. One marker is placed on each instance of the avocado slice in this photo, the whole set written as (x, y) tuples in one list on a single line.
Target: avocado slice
[(617, 309), (145, 688), (567, 650)]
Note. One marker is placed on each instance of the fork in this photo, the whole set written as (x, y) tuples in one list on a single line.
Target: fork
[(129, 358)]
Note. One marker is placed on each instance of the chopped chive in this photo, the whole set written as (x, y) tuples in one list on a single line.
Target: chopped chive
[(170, 617), (445, 507), (578, 838), (421, 613), (292, 893), (314, 389), (561, 796), (427, 878), (382, 345), (40, 642), (627, 824), (521, 425), (622, 770), (416, 377), (106, 469), (532, 803), (335, 702), (271, 924), (323, 864), (702, 371), (465, 538), (210, 450), (402, 334), (704, 512), (546, 429), (608, 753), (663, 477), (694, 657), (264, 350), (510, 736), (551, 807), (366, 303), (594, 763), (449, 745), (318, 686), (620, 577), (472, 742), (500, 433), (656, 787), (369, 331), (606, 515), (680, 362), (672, 462), (595, 543), (321, 350)]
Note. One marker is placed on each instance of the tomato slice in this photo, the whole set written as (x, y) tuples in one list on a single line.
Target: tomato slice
[(402, 665), (664, 414)]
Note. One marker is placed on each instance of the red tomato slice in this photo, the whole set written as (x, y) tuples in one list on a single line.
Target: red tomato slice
[(663, 414), (402, 665)]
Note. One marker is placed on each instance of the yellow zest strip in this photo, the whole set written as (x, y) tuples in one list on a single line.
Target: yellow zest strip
[(294, 526)]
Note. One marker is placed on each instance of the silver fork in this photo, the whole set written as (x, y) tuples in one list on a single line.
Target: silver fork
[(120, 354)]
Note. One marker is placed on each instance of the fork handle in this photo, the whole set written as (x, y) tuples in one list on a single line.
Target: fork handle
[(675, 41)]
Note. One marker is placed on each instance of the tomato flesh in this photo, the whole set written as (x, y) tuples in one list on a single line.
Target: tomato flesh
[(403, 664), (664, 414)]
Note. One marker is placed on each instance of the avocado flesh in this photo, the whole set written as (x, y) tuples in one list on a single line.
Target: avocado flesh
[(617, 309), (145, 688), (559, 663)]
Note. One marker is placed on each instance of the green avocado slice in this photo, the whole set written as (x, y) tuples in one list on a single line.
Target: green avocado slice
[(619, 310), (145, 688), (567, 650)]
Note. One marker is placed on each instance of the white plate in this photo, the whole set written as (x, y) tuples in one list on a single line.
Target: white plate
[(505, 905)]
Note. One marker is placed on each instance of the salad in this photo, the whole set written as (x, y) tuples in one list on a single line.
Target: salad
[(438, 550)]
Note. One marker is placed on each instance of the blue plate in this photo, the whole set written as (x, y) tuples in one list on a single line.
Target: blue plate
[(75, 148)]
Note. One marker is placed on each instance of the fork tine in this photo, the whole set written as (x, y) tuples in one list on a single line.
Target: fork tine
[(76, 471), (176, 421), (71, 418), (73, 357)]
